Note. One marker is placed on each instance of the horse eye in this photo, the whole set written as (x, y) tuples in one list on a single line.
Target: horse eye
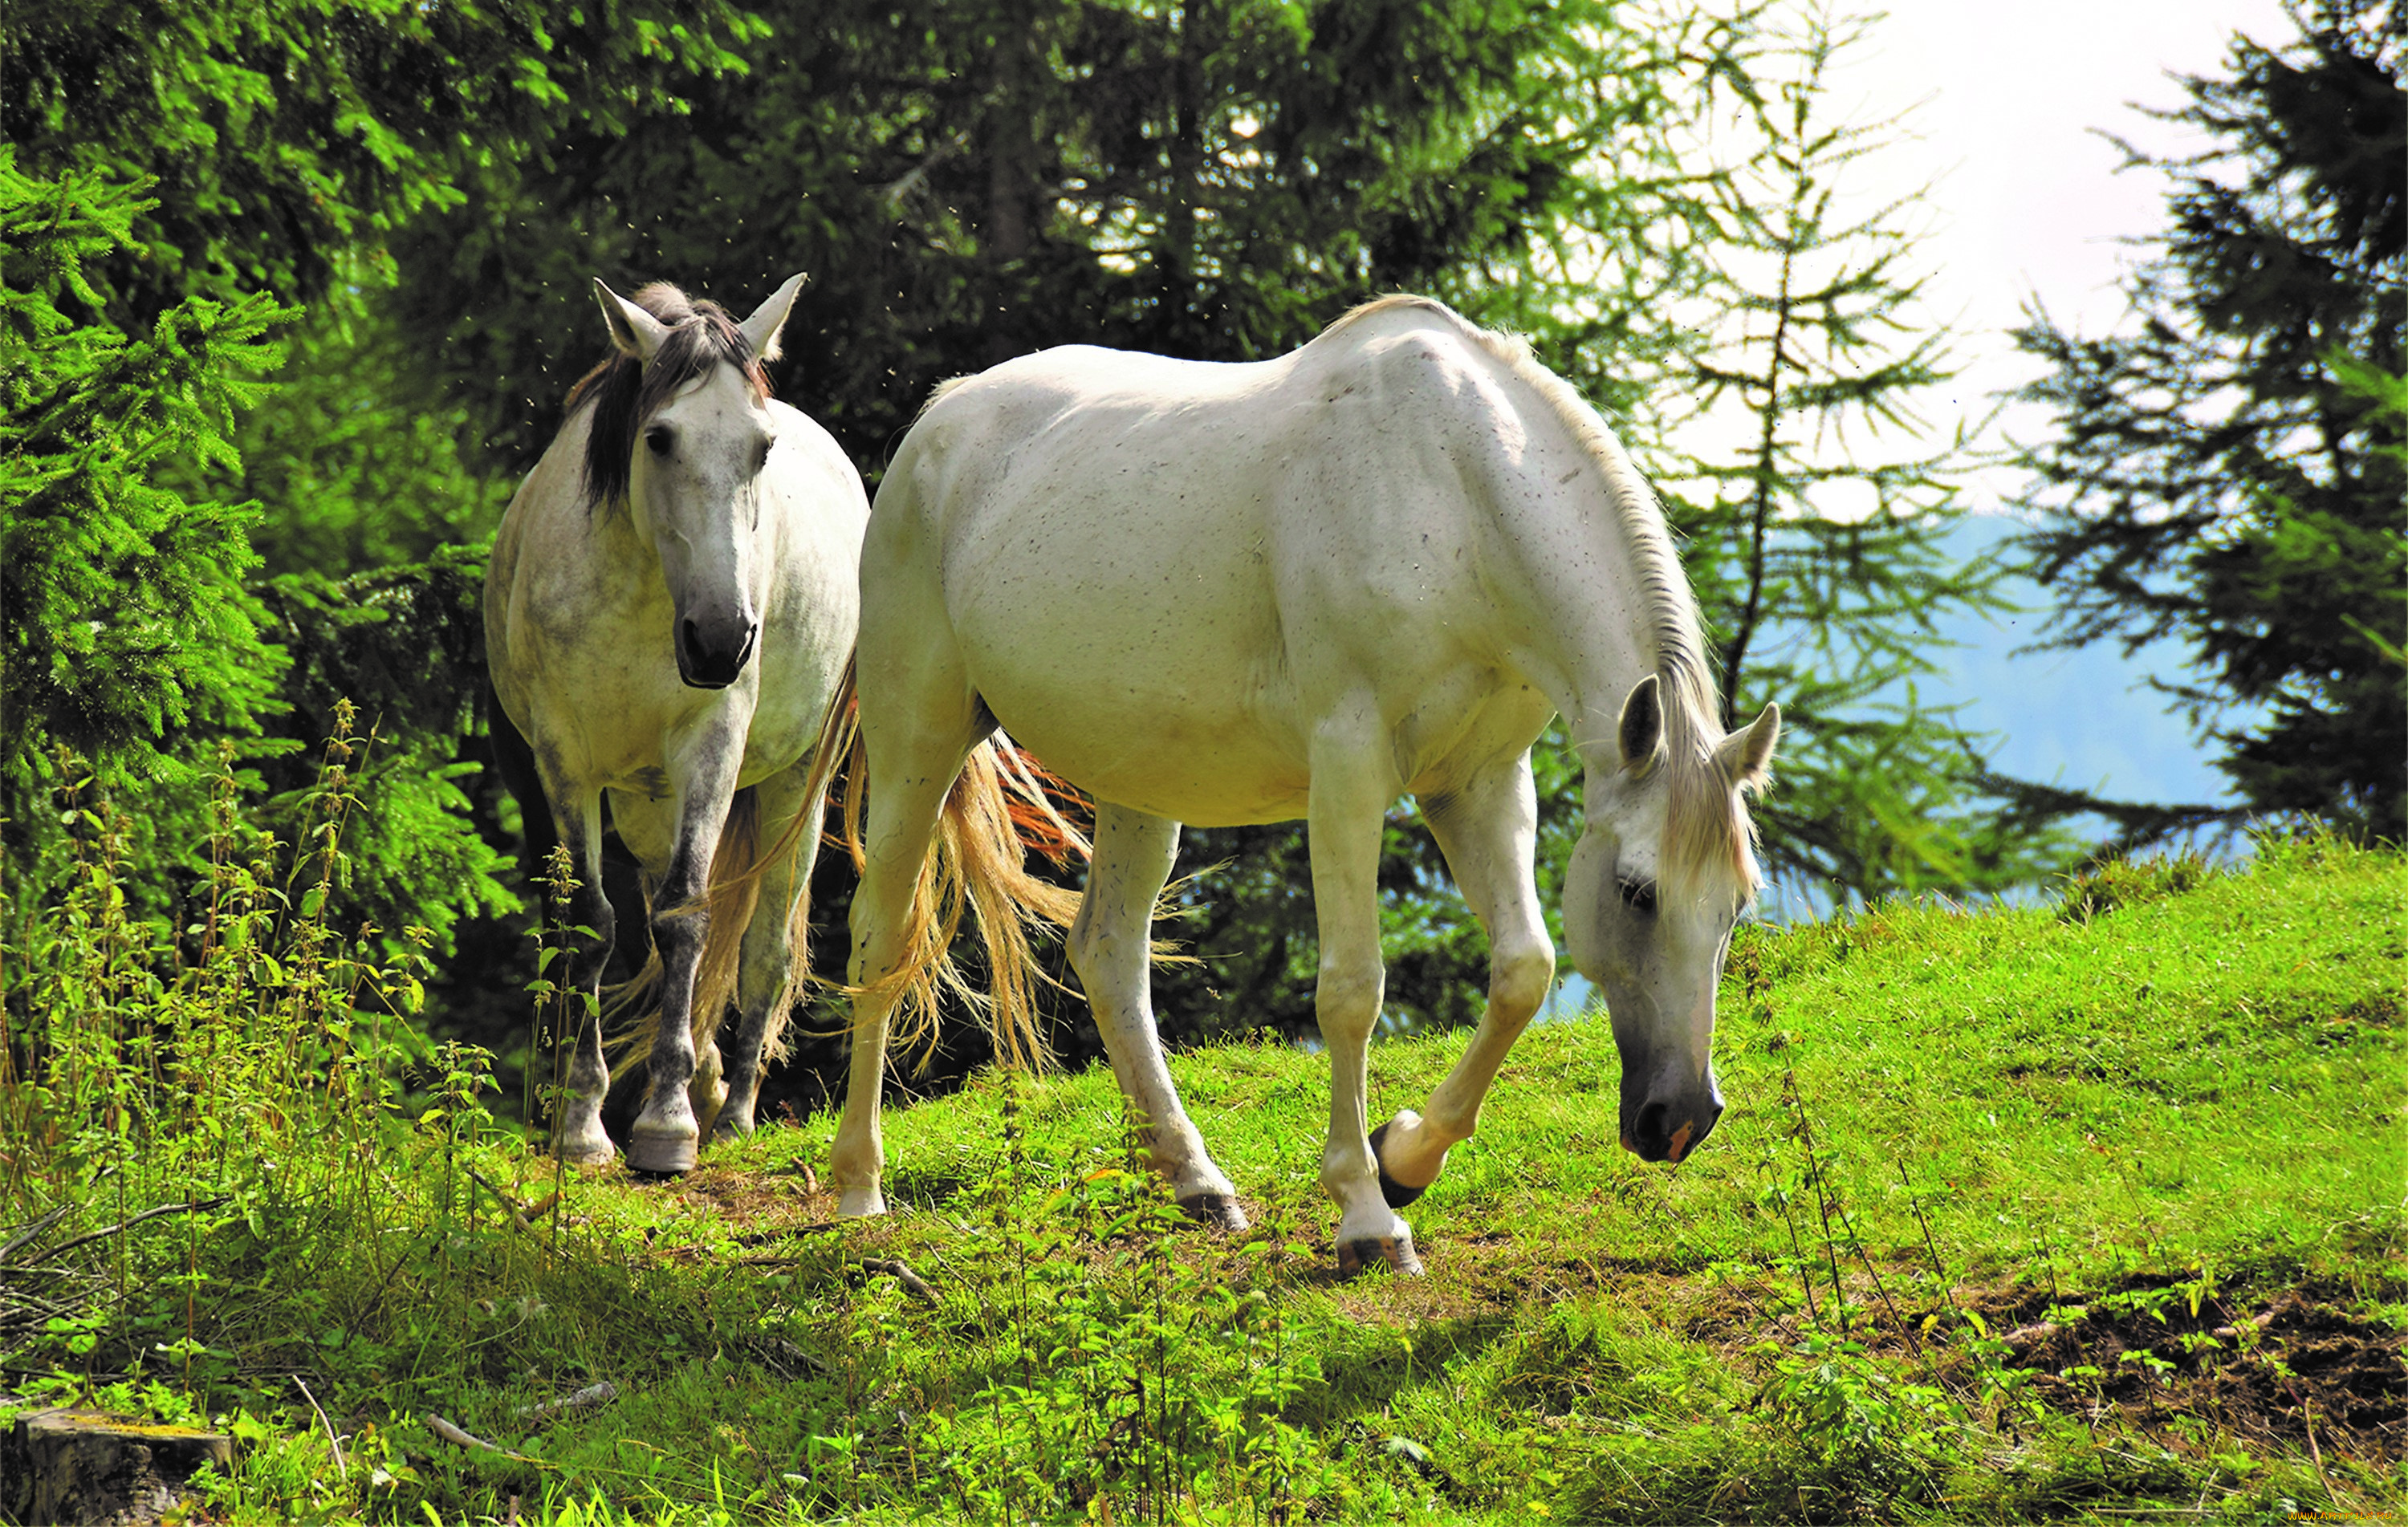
[(1637, 895), (658, 438)]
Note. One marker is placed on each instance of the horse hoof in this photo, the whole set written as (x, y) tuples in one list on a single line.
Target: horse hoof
[(1396, 1252), (1216, 1211), (662, 1155), (586, 1146), (729, 1129), (1396, 1193)]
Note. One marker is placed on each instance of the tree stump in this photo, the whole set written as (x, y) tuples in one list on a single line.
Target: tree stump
[(79, 1466)]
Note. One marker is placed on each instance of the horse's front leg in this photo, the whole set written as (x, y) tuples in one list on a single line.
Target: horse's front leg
[(1352, 786), (667, 1136), (577, 1136), (1110, 947), (770, 974), (1488, 832)]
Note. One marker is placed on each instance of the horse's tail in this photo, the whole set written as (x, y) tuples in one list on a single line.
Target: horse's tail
[(1001, 806)]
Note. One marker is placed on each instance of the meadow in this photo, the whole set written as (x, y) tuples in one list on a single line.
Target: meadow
[(2089, 1211)]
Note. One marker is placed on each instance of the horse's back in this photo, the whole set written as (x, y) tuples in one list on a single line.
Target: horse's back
[(1164, 575)]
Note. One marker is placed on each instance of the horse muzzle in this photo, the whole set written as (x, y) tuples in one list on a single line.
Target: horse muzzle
[(704, 664), (1667, 1130)]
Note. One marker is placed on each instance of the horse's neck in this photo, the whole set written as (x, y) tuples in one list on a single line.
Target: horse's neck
[(1590, 621)]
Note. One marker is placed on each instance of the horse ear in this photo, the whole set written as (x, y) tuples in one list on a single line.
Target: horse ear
[(761, 329), (1642, 725), (636, 331), (1747, 756)]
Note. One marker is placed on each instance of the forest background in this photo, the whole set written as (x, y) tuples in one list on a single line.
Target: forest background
[(290, 293)]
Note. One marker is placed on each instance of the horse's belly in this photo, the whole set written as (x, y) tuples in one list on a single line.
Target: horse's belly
[(1168, 762)]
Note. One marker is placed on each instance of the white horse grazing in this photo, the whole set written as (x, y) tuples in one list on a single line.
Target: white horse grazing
[(1221, 594), (670, 605)]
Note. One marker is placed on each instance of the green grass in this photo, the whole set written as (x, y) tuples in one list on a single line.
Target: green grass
[(2068, 1213)]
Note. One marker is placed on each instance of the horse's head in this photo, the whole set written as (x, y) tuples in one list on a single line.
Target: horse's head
[(1654, 885), (690, 439)]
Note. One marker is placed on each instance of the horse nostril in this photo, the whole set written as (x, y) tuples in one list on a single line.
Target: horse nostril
[(689, 640), (1651, 1131)]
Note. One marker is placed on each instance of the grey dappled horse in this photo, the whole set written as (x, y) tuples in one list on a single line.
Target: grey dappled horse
[(670, 605)]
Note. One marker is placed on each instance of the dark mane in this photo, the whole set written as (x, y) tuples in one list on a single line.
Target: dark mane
[(623, 391)]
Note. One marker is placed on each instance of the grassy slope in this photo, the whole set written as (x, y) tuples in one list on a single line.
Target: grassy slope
[(2214, 1078), (2205, 1090), (2046, 1160)]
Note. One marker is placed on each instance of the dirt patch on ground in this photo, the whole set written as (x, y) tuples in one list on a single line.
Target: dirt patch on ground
[(2299, 1369)]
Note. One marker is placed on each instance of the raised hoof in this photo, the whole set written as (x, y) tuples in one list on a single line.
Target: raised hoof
[(1215, 1212), (1396, 1193), (1395, 1252), (662, 1155)]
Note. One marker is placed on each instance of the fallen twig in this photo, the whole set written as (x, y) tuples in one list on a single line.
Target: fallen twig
[(459, 1438), (342, 1471), (776, 1353), (33, 1231), (198, 1205), (521, 1214), (584, 1399), (771, 1237), (914, 1284)]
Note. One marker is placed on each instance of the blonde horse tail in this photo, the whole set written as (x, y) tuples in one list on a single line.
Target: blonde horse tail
[(1001, 806)]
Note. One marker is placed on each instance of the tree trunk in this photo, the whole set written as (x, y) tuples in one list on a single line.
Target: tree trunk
[(76, 1466)]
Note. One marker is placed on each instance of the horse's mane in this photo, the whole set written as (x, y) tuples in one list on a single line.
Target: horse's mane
[(624, 392), (1707, 834)]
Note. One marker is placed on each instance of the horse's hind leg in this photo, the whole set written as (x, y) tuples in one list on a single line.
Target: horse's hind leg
[(1487, 831), (764, 979), (912, 763), (1109, 945)]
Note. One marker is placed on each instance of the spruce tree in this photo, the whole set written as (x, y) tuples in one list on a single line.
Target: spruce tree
[(121, 601)]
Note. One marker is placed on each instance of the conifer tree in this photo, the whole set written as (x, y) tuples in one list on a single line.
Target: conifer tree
[(121, 601), (2227, 469)]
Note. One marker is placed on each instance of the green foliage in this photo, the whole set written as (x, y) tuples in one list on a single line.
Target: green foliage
[(127, 617), (136, 634), (356, 475), (2230, 472), (409, 640), (290, 139), (1216, 181)]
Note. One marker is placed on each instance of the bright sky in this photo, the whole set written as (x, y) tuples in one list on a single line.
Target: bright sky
[(2004, 101), (2024, 201)]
